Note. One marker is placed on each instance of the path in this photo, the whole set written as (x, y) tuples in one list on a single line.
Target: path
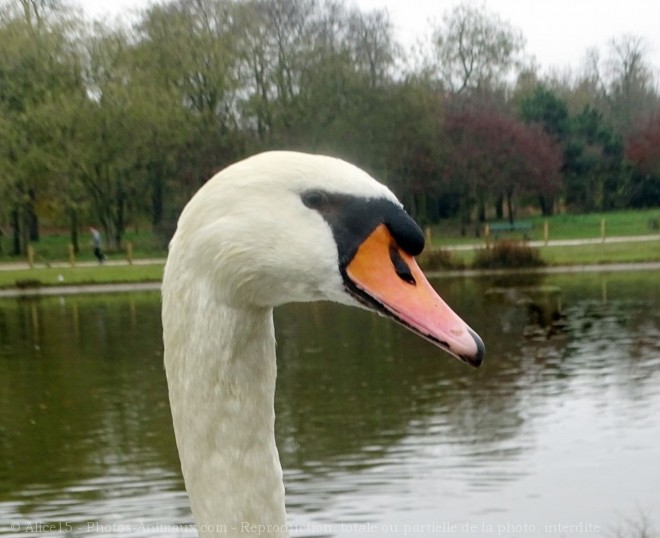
[(568, 242)]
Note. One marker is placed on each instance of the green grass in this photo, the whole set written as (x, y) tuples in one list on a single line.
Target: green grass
[(617, 223), (56, 276), (587, 226), (643, 251)]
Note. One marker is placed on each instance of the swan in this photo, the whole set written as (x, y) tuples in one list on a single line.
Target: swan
[(274, 228)]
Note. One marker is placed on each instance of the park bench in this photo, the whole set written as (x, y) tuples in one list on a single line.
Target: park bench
[(521, 226), (495, 228)]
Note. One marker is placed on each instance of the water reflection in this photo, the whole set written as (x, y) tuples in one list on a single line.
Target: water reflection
[(374, 425)]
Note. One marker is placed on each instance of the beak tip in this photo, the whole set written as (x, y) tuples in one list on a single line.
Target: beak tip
[(476, 359)]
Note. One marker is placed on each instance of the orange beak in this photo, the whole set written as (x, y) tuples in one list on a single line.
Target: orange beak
[(384, 277)]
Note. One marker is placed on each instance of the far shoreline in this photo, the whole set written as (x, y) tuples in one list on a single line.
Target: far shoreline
[(130, 287)]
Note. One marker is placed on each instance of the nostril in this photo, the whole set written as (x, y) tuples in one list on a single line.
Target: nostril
[(400, 266)]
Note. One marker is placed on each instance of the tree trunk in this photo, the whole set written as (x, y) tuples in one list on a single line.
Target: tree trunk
[(17, 249), (32, 220), (73, 222), (547, 205), (120, 219), (509, 205), (156, 173), (25, 231), (466, 204), (499, 207), (157, 202), (423, 217), (412, 205)]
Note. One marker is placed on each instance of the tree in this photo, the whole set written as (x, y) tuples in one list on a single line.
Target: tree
[(474, 49), (344, 104), (643, 151), (619, 83), (546, 109), (52, 129), (492, 157), (372, 46), (38, 65), (184, 64), (630, 94), (414, 149), (593, 150), (121, 124), (593, 163), (273, 42), (106, 128)]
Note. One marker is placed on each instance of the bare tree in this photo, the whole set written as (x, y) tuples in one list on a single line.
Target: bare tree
[(474, 49), (630, 90)]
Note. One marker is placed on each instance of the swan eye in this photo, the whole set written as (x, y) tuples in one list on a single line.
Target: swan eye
[(314, 199)]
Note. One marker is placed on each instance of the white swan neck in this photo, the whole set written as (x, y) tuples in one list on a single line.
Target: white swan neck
[(221, 371)]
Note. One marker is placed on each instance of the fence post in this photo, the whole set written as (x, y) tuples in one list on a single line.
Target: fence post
[(546, 232), (487, 234), (72, 256), (30, 256), (129, 252), (602, 229), (427, 234)]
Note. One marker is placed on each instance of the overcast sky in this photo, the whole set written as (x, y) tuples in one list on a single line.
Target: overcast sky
[(558, 32)]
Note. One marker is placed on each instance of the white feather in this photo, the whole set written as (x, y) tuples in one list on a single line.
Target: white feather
[(244, 244)]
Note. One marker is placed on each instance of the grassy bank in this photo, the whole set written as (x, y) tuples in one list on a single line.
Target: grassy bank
[(643, 251), (601, 253), (598, 253), (56, 276), (147, 245), (587, 226)]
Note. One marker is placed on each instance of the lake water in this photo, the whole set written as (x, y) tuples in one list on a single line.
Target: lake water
[(380, 433)]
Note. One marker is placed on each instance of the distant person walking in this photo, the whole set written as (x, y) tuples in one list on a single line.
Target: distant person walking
[(96, 242)]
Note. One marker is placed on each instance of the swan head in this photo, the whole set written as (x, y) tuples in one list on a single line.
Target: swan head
[(289, 227)]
